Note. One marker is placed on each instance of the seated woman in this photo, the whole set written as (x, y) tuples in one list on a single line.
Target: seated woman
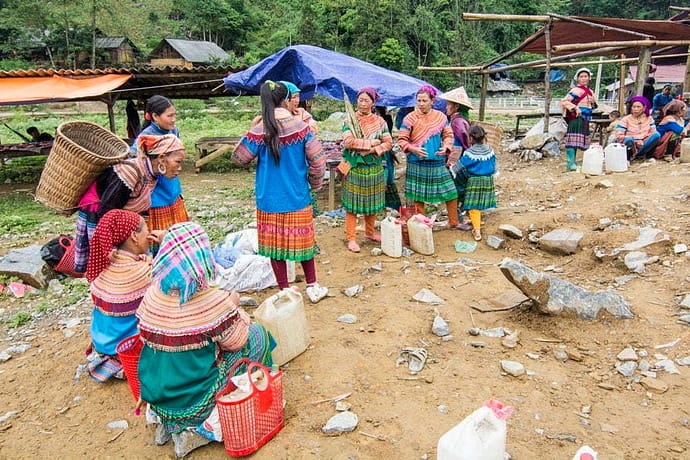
[(672, 129), (119, 271), (637, 130), (126, 185), (193, 333)]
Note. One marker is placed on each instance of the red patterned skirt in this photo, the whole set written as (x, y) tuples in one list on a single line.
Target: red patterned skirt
[(164, 217), (286, 235)]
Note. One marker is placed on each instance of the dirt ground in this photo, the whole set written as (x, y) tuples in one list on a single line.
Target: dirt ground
[(402, 416)]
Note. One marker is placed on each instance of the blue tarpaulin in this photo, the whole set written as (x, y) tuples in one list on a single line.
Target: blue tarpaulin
[(320, 71)]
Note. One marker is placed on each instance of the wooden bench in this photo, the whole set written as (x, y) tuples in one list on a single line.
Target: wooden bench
[(27, 149), (209, 148)]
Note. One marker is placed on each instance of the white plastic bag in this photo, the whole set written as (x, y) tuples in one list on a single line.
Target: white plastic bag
[(480, 436), (250, 272)]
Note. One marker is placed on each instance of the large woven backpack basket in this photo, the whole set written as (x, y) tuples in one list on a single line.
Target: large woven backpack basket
[(81, 151)]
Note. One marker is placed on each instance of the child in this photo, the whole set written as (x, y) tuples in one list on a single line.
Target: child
[(613, 117), (474, 178)]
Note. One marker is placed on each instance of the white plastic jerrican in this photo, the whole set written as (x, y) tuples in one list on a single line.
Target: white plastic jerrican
[(283, 315), (391, 237), (685, 151), (616, 158), (480, 436), (593, 160), (419, 228)]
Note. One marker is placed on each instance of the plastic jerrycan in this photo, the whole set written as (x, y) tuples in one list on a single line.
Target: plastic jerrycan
[(593, 160), (616, 158), (391, 237), (284, 316), (421, 235), (685, 151)]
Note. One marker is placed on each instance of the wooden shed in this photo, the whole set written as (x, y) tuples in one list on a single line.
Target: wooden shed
[(115, 50), (187, 53)]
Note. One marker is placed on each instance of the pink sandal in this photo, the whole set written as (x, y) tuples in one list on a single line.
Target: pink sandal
[(477, 234), (353, 246), (375, 237)]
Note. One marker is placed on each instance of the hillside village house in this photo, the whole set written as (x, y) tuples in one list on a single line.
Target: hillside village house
[(186, 53)]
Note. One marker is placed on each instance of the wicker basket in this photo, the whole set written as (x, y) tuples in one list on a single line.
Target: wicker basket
[(81, 151), (494, 135)]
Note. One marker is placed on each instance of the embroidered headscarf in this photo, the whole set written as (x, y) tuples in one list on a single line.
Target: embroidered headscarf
[(371, 92), (112, 230), (153, 146), (430, 90), (291, 87), (642, 100), (185, 261)]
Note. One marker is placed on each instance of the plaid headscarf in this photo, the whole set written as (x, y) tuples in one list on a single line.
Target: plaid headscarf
[(152, 146), (185, 261), (112, 230)]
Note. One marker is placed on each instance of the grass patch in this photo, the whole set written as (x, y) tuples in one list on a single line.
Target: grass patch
[(20, 214), (18, 319)]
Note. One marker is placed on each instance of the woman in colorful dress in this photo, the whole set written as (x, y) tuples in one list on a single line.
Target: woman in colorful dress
[(167, 204), (474, 177), (364, 186), (427, 139), (637, 130), (672, 129), (192, 333), (289, 160), (126, 185), (119, 271), (577, 110)]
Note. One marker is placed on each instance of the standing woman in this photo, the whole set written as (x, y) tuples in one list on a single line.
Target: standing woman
[(289, 160), (637, 130), (167, 204), (458, 108), (577, 110), (427, 139), (364, 186)]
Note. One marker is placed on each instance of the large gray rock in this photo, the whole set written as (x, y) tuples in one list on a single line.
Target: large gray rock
[(26, 264), (561, 241), (554, 296), (511, 231), (344, 422), (535, 142), (648, 236)]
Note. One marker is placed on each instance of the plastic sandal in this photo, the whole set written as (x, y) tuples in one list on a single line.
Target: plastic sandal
[(375, 237), (477, 234), (464, 227), (353, 246), (414, 357)]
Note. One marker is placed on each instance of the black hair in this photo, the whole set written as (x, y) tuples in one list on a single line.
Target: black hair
[(615, 113), (156, 105), (32, 130), (477, 134), (650, 81), (272, 96)]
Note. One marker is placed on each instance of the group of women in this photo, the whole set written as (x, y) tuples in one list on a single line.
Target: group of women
[(637, 130)]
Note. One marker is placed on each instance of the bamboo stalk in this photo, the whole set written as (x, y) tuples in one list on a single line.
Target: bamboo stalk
[(621, 86), (619, 44), (482, 101), (503, 17), (547, 76), (599, 26), (642, 69)]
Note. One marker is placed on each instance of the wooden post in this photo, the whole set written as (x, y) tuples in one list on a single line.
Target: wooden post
[(111, 114), (686, 81), (482, 100), (621, 87), (547, 76), (642, 70)]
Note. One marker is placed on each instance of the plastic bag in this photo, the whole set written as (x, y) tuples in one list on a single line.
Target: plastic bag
[(480, 436), (249, 273)]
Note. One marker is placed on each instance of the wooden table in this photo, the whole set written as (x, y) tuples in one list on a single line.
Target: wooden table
[(525, 116), (27, 149), (209, 148)]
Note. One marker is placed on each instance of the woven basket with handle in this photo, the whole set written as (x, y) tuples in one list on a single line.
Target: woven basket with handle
[(81, 151), (494, 135)]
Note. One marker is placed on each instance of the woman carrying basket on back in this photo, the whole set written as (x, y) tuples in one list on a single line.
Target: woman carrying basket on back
[(577, 111), (126, 185), (193, 333)]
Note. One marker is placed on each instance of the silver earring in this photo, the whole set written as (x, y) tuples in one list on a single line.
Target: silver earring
[(161, 168)]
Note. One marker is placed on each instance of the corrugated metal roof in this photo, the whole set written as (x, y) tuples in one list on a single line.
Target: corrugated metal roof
[(109, 42), (143, 69), (197, 51), (502, 85)]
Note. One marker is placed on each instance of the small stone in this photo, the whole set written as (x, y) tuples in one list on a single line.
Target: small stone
[(561, 241), (606, 428), (478, 344), (680, 248), (494, 332), (654, 385), (72, 322), (118, 425), (342, 406), (447, 338), (426, 296), (667, 365), (429, 379), (55, 286), (443, 409), (606, 386), (627, 368), (628, 354), (68, 333), (247, 301), (495, 242), (511, 231), (534, 356), (642, 353), (604, 184), (407, 252), (18, 349), (4, 356), (440, 326), (604, 222), (511, 340), (377, 267), (644, 366), (686, 302), (560, 355), (353, 291), (376, 252), (344, 422), (513, 368), (683, 361), (307, 378), (574, 355), (347, 318)]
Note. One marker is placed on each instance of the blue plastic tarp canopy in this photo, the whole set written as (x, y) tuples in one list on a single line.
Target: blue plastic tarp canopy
[(320, 71)]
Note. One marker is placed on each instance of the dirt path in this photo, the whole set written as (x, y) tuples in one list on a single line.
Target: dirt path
[(399, 416)]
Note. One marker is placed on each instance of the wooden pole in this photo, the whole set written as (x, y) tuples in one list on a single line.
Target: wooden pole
[(510, 53), (619, 44), (503, 17), (111, 114), (547, 77), (642, 70), (597, 85), (599, 26), (524, 65), (473, 68), (482, 100), (686, 80), (621, 87)]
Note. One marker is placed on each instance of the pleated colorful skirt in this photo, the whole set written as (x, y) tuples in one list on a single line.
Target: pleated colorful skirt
[(364, 189), (286, 235), (428, 181)]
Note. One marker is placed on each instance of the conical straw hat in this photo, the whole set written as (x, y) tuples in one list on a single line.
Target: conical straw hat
[(459, 96)]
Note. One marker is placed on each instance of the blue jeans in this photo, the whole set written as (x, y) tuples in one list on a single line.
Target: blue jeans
[(647, 147)]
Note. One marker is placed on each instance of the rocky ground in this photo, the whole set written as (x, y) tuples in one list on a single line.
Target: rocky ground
[(618, 385)]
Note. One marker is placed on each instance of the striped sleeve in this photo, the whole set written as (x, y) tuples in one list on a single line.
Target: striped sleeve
[(316, 160), (245, 152), (236, 337)]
